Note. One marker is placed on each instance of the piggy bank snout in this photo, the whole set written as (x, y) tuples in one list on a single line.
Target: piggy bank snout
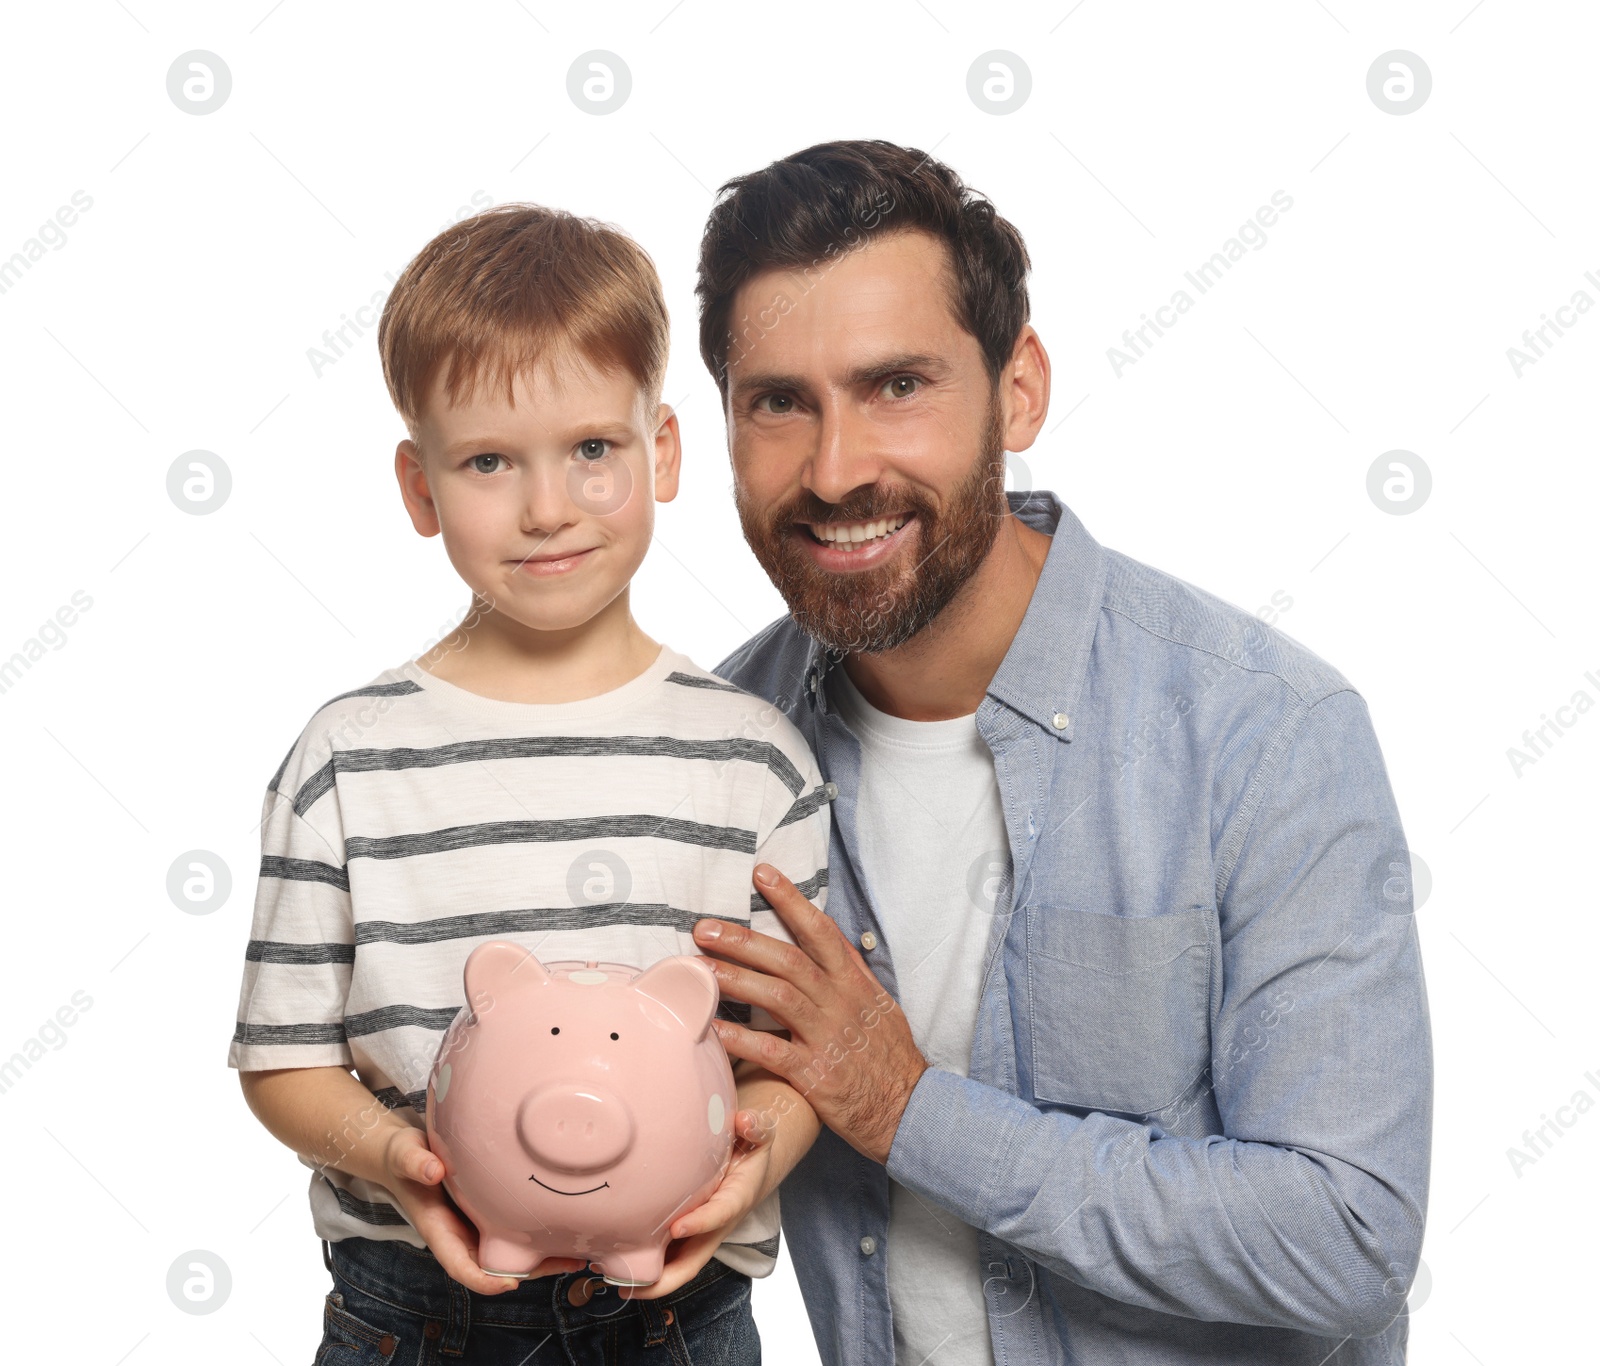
[(576, 1127)]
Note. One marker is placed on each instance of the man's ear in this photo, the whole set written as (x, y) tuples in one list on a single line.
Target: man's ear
[(668, 453), (1025, 390), (408, 469)]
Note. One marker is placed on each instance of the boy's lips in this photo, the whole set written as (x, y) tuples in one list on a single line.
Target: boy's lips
[(557, 563)]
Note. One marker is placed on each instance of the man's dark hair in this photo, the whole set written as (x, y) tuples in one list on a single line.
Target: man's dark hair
[(803, 211)]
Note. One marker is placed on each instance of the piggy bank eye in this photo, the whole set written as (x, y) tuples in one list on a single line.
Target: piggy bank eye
[(555, 1029), (613, 1036)]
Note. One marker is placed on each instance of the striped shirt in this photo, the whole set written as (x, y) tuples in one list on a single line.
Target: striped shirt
[(414, 820)]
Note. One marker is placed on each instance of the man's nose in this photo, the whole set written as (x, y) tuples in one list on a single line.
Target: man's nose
[(845, 456)]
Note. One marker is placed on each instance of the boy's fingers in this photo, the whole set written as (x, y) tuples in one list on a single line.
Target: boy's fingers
[(463, 1266), (747, 1124), (556, 1266), (422, 1166), (713, 1214)]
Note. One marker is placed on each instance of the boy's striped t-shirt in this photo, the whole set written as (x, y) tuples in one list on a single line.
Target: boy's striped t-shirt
[(414, 820)]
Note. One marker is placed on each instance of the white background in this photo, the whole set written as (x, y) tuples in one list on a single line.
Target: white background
[(178, 313)]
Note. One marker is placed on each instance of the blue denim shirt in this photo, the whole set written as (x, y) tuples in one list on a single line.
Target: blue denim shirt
[(1197, 1122)]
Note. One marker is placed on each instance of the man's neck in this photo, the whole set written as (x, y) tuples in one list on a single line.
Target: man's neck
[(494, 656), (943, 671)]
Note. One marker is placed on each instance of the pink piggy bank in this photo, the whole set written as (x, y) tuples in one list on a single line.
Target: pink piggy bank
[(579, 1108)]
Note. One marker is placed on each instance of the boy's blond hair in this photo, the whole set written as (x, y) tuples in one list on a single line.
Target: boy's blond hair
[(520, 284)]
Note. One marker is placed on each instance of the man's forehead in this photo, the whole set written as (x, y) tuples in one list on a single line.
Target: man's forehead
[(890, 267), (873, 303)]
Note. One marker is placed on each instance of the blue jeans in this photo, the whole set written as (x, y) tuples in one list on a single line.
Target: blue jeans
[(392, 1304)]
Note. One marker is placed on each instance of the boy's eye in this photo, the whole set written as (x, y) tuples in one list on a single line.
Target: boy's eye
[(594, 448), (478, 463), (893, 390), (784, 403)]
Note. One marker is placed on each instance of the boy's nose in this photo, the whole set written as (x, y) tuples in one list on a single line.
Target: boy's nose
[(547, 503)]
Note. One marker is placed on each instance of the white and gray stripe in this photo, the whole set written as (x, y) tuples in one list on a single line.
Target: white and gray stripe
[(399, 835)]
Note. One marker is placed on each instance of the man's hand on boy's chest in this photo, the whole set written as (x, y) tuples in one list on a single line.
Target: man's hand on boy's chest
[(850, 1051)]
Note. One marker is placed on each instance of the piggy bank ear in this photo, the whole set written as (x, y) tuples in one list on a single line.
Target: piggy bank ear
[(686, 986), (498, 968)]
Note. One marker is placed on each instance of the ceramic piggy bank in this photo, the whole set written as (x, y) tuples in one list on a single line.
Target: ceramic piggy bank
[(579, 1108)]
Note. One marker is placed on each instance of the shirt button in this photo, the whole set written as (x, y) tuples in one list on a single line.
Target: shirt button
[(831, 789), (869, 1245), (869, 941), (1059, 720), (811, 682)]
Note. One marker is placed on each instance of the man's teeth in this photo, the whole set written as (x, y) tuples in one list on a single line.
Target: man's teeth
[(842, 534)]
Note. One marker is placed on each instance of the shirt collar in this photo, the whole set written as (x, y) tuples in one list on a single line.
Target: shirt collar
[(1041, 676)]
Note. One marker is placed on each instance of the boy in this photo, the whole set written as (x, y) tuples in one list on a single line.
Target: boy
[(547, 774)]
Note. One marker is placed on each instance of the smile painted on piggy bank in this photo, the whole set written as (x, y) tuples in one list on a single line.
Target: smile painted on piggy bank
[(595, 1080)]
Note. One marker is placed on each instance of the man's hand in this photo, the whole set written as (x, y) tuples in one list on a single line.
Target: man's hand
[(412, 1175), (850, 1052), (698, 1233)]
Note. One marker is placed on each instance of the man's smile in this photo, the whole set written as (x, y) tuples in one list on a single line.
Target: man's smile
[(844, 547)]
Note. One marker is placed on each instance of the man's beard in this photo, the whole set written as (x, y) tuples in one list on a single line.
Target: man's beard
[(873, 610)]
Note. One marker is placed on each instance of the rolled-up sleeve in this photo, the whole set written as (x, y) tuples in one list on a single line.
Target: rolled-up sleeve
[(1307, 1210), (301, 950)]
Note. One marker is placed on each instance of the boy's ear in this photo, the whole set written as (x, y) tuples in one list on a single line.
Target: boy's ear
[(668, 452), (408, 469)]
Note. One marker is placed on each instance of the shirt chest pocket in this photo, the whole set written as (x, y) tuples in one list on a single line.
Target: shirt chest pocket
[(1118, 1006)]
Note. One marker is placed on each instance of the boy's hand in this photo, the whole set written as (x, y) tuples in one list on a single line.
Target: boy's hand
[(698, 1233), (413, 1176)]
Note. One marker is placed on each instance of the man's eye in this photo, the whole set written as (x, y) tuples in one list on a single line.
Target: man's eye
[(784, 403), (893, 387), (477, 463), (594, 448)]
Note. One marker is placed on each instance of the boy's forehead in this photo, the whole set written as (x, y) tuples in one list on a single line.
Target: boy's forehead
[(548, 394)]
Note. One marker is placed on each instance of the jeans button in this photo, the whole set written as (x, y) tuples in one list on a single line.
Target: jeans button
[(581, 1291), (667, 1316), (386, 1345), (431, 1329)]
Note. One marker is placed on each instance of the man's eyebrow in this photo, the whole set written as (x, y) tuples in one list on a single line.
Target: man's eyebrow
[(862, 374), (895, 365), (745, 383)]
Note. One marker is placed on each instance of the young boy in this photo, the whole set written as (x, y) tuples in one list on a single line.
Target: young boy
[(547, 774)]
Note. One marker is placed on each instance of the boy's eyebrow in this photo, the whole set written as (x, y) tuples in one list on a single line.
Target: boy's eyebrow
[(607, 427), (467, 443), (862, 374)]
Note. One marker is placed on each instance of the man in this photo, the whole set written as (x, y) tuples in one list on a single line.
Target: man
[(1116, 1019)]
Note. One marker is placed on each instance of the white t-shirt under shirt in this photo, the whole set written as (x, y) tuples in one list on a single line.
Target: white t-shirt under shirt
[(414, 820), (932, 838)]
